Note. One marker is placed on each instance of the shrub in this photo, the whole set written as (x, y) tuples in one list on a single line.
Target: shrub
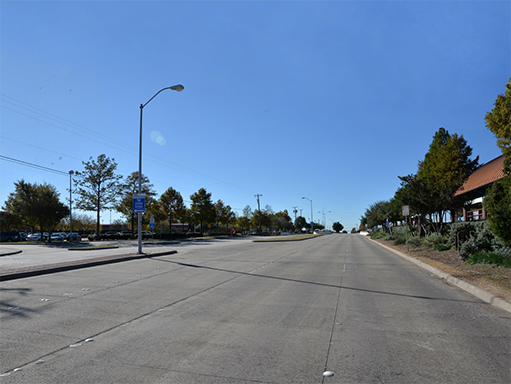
[(386, 236), (442, 247), (377, 235), (489, 258), (468, 248), (434, 239), (400, 240), (415, 241), (461, 231)]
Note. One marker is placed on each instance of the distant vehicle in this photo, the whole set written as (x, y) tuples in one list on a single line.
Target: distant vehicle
[(36, 237), (325, 232), (74, 237), (57, 236), (10, 236)]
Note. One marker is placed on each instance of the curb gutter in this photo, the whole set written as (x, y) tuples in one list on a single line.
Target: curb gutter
[(480, 293), (19, 273)]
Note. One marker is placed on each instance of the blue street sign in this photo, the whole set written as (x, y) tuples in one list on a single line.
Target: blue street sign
[(152, 225), (138, 203), (312, 224)]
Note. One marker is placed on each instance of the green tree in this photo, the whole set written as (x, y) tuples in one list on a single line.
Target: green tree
[(301, 223), (498, 121), (224, 214), (498, 204), (97, 186), (127, 189), (282, 221), (9, 221), (337, 227), (154, 209), (243, 223), (265, 219), (36, 205), (445, 168), (202, 209), (377, 213), (172, 205), (498, 196)]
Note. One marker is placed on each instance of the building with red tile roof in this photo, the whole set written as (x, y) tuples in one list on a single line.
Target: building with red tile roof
[(476, 185)]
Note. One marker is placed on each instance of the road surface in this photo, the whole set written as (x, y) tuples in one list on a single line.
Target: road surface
[(243, 312)]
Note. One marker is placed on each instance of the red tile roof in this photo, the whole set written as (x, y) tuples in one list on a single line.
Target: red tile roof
[(486, 174)]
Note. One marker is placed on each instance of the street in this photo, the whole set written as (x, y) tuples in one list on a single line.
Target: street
[(241, 312)]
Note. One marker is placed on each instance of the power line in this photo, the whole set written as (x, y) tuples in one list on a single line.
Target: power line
[(114, 143), (32, 165)]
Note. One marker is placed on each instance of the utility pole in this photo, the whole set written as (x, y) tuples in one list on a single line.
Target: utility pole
[(259, 209), (324, 216), (301, 212), (295, 211)]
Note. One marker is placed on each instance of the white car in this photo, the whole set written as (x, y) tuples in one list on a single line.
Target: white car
[(57, 236), (36, 237)]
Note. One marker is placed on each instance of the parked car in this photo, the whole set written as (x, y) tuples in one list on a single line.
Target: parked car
[(10, 236), (37, 237), (57, 236), (74, 237)]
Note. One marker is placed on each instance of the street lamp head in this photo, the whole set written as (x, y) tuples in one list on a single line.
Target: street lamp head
[(71, 172), (178, 87)]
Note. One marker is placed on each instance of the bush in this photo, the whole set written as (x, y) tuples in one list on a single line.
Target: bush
[(461, 232), (442, 247), (489, 258), (377, 235), (415, 241), (468, 248), (400, 240), (434, 239), (386, 237)]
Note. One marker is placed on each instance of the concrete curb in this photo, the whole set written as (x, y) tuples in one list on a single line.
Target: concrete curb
[(13, 252), (480, 293), (22, 272)]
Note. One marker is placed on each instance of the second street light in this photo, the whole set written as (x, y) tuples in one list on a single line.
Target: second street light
[(177, 88), (312, 218)]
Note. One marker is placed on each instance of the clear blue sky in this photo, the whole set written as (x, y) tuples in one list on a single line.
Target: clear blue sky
[(328, 100)]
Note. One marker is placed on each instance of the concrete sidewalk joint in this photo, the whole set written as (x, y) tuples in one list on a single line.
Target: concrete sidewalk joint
[(480, 293)]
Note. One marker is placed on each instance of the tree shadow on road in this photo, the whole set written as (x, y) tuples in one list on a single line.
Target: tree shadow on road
[(9, 305)]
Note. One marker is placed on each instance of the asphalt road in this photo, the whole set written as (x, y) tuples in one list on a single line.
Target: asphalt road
[(243, 312)]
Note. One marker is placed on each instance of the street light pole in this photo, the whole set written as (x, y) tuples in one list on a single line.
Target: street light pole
[(177, 88), (312, 218), (71, 173)]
